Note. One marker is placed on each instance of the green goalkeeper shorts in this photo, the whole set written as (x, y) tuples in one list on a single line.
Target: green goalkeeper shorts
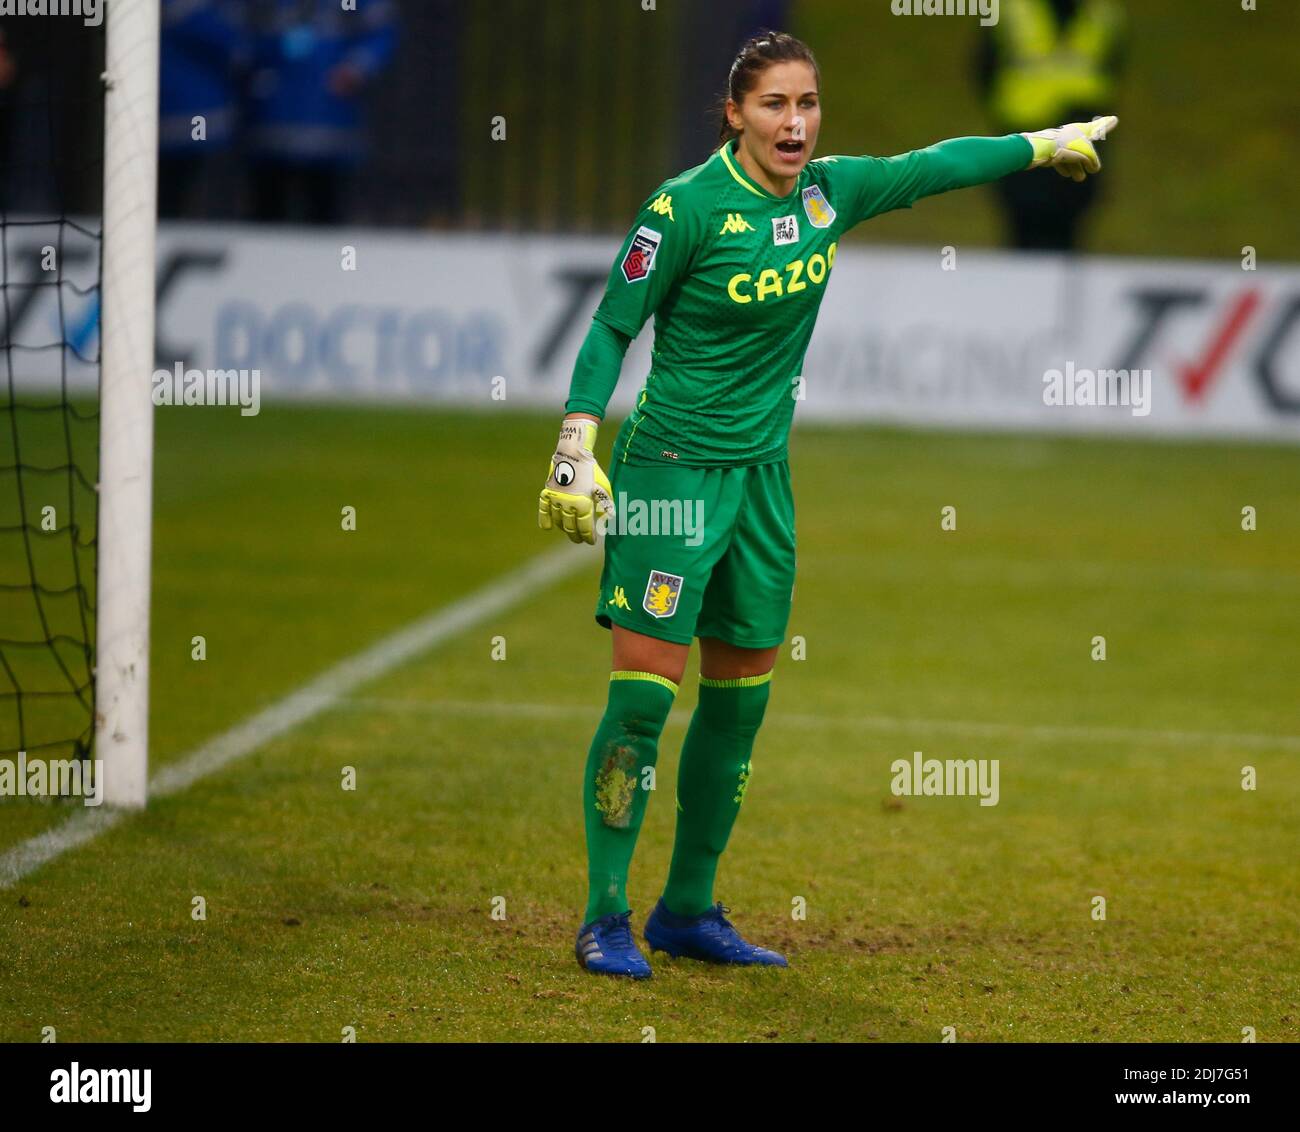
[(700, 552)]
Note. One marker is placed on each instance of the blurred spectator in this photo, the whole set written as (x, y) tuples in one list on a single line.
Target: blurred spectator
[(1046, 63), (314, 60), (205, 54)]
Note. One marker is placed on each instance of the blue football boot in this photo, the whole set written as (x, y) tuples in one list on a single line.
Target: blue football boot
[(710, 937), (606, 947)]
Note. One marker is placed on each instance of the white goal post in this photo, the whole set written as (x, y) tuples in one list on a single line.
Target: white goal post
[(124, 532)]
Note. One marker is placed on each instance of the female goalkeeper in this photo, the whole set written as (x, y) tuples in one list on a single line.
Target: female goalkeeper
[(732, 258)]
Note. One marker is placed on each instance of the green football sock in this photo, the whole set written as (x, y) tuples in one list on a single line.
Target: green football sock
[(616, 788), (711, 782)]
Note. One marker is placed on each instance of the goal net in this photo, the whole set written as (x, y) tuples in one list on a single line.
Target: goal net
[(78, 128)]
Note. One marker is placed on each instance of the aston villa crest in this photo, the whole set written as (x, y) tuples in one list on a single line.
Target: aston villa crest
[(818, 208), (661, 593)]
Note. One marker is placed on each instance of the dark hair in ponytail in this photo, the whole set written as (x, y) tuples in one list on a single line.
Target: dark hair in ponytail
[(758, 53)]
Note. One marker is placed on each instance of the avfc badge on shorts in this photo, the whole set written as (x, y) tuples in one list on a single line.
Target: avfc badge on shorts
[(818, 208), (640, 258), (661, 593)]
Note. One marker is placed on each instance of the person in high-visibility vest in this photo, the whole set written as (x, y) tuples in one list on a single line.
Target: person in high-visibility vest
[(1048, 61)]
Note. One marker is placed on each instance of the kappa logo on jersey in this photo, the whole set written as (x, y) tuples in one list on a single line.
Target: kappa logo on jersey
[(619, 600), (640, 258), (785, 230), (661, 593), (736, 225), (664, 206), (818, 208)]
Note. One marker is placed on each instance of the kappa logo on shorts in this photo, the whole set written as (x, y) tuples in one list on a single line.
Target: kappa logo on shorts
[(640, 258), (661, 593)]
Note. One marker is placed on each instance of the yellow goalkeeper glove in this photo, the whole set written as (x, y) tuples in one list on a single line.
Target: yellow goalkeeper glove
[(1069, 149), (577, 491)]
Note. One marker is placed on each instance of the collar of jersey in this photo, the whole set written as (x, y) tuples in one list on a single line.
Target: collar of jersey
[(737, 171)]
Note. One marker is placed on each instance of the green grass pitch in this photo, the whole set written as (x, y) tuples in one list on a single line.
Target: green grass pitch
[(373, 908)]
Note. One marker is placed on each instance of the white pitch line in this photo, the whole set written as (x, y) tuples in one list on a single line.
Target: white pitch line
[(1081, 732), (308, 701)]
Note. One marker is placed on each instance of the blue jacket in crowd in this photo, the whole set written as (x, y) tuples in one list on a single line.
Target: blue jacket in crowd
[(295, 113), (205, 51)]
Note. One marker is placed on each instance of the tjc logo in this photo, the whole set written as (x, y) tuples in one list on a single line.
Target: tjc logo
[(1194, 377)]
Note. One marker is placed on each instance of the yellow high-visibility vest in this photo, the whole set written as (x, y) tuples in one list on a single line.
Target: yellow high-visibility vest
[(1045, 70)]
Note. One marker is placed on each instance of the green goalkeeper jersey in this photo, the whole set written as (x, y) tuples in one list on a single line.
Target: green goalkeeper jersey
[(734, 277)]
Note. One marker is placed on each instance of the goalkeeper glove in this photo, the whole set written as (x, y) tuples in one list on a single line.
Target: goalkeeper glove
[(1069, 149), (577, 491)]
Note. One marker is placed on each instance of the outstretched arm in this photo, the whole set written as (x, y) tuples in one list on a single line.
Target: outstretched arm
[(872, 185), (898, 182)]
